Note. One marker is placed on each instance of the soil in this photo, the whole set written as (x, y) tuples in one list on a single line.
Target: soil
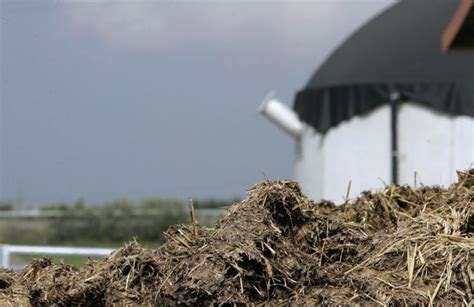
[(398, 246)]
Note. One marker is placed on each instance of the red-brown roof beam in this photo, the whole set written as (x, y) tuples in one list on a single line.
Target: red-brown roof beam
[(459, 32)]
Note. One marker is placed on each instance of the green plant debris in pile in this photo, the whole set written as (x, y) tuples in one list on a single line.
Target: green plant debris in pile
[(399, 246)]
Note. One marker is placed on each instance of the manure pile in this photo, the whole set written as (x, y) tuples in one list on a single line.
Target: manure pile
[(398, 246)]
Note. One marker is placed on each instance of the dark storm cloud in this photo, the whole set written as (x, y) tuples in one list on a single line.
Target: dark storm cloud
[(140, 98)]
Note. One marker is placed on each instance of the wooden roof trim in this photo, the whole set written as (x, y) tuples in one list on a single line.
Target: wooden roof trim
[(456, 23)]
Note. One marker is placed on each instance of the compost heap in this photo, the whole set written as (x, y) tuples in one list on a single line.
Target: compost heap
[(397, 246)]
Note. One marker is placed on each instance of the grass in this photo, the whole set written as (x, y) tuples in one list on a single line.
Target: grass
[(71, 260)]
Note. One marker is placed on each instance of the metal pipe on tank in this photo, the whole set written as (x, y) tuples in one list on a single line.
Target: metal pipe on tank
[(281, 115)]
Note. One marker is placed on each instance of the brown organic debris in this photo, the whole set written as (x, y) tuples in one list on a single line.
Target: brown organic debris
[(399, 246)]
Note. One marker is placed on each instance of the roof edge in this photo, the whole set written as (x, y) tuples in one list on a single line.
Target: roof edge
[(326, 107)]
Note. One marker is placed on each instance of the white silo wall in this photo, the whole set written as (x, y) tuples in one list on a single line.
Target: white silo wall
[(357, 150), (433, 145), (464, 142), (309, 163)]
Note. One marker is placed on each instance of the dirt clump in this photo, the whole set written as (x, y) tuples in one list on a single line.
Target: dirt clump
[(397, 246)]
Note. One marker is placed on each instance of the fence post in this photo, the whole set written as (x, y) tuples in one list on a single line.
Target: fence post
[(5, 256)]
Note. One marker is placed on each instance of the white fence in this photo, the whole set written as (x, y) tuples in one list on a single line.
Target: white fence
[(46, 214), (7, 250)]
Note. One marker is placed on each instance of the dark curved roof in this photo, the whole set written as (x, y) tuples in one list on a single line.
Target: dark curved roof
[(398, 51)]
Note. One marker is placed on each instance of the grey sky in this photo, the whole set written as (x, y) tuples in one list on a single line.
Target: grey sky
[(112, 99)]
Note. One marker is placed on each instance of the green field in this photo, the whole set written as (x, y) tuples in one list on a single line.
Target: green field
[(108, 226)]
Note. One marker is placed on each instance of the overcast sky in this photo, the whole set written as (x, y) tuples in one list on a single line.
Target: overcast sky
[(135, 99)]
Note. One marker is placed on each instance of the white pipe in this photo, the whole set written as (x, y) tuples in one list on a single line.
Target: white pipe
[(281, 115)]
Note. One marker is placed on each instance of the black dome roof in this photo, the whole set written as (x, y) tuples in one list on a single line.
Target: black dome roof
[(398, 51)]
